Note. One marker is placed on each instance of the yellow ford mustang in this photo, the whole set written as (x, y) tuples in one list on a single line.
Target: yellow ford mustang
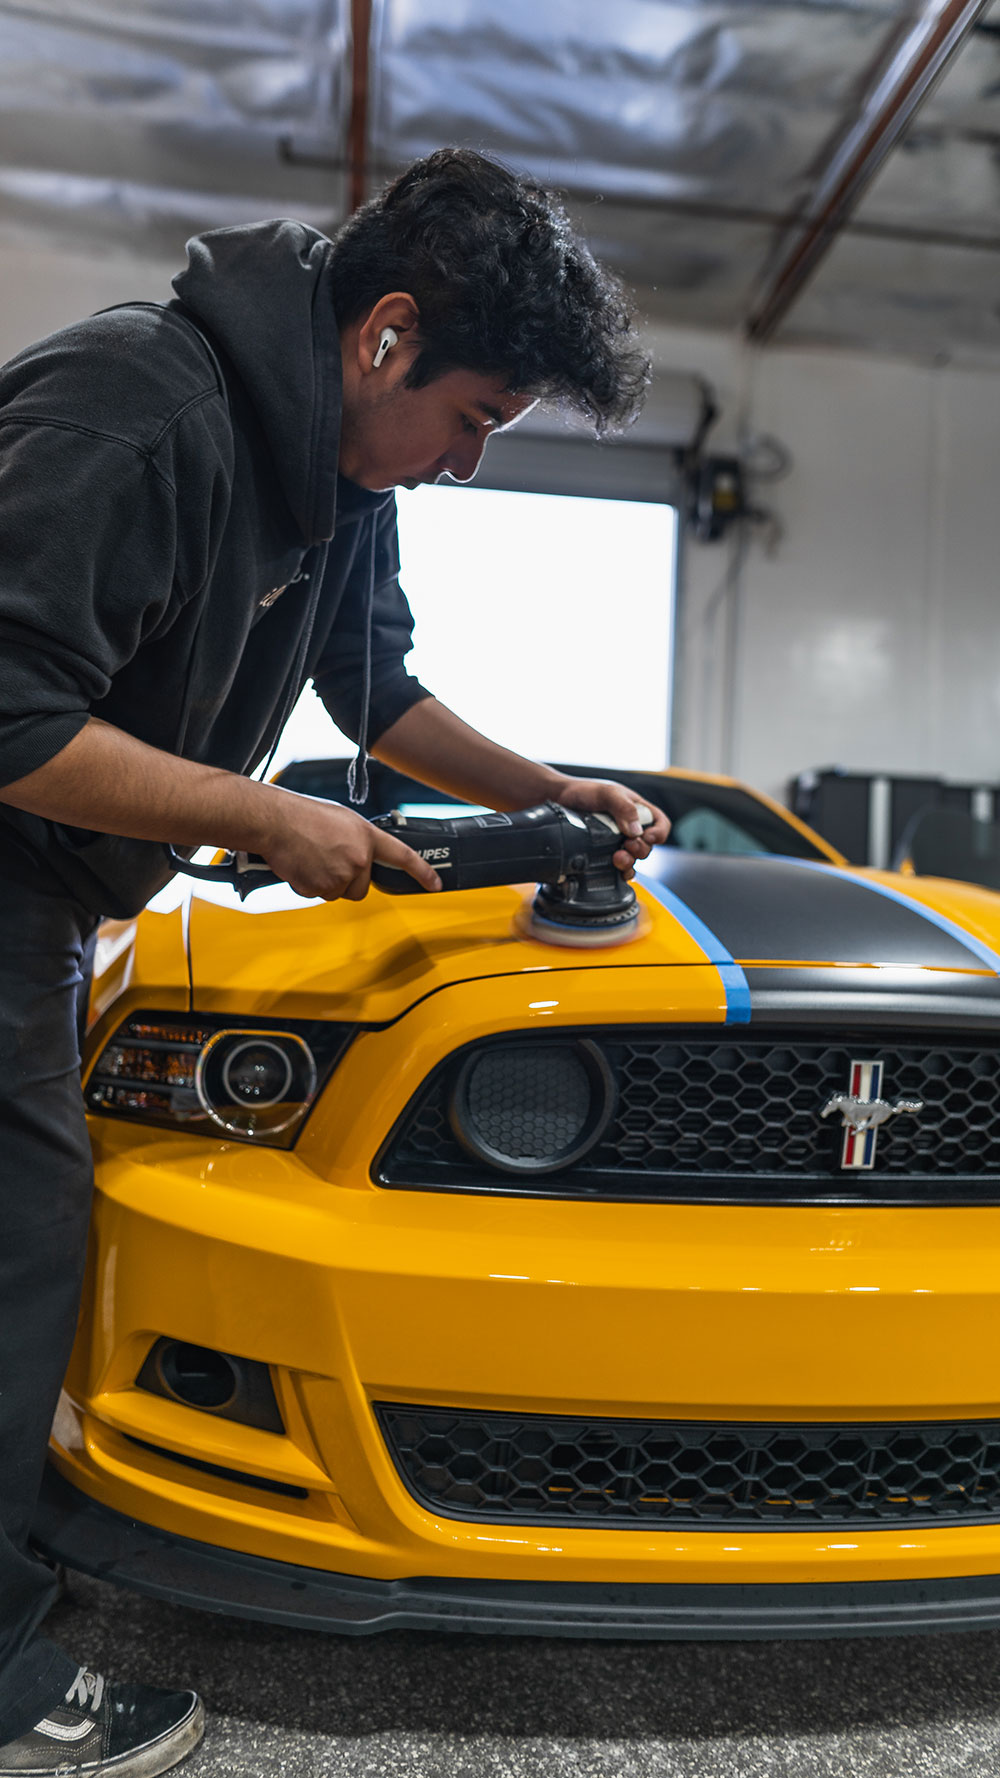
[(443, 1276)]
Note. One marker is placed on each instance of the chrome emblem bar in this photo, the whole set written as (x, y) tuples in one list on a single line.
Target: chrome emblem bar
[(862, 1110)]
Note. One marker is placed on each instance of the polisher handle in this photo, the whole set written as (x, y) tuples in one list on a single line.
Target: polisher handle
[(481, 851)]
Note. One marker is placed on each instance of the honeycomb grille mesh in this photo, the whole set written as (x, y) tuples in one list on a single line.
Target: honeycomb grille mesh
[(529, 1104), (533, 1469), (700, 1116)]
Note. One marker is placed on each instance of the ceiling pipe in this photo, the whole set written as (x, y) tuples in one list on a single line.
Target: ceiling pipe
[(912, 70), (698, 209)]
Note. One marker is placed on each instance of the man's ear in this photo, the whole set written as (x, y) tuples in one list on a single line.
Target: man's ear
[(393, 325)]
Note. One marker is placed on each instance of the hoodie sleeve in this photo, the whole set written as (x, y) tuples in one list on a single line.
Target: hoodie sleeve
[(89, 569), (340, 673)]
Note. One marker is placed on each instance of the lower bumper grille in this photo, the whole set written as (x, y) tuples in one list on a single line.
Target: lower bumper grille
[(533, 1469)]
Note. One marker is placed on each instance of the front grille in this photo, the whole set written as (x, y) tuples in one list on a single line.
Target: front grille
[(533, 1469), (700, 1116)]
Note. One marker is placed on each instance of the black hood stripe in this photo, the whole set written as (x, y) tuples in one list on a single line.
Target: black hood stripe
[(983, 954), (767, 909), (923, 999)]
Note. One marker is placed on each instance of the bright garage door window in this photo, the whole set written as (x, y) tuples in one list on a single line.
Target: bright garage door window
[(543, 620)]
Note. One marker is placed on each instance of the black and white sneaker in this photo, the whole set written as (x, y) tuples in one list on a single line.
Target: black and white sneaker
[(130, 1731)]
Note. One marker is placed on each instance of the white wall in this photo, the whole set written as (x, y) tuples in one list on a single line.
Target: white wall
[(42, 290), (870, 638)]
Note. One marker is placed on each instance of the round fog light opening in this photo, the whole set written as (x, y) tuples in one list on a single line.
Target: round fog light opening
[(532, 1107), (196, 1375), (257, 1074)]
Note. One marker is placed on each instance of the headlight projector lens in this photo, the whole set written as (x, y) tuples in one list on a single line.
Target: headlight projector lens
[(257, 1074), (255, 1083), (532, 1107)]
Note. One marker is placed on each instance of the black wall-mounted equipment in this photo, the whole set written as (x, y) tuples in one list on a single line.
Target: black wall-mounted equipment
[(717, 497)]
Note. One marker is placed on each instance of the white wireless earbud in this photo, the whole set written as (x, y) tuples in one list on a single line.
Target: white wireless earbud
[(389, 339)]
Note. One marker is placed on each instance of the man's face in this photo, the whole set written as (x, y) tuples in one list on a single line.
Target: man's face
[(393, 436)]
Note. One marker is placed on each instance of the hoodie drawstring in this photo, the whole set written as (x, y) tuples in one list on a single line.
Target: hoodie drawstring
[(317, 571), (357, 771)]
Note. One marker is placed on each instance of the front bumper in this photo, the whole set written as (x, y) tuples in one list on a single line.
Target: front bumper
[(78, 1532), (354, 1296)]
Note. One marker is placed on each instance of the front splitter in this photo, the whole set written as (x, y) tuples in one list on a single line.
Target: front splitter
[(78, 1532)]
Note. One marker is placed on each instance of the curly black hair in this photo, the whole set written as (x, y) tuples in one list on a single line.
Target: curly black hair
[(503, 285)]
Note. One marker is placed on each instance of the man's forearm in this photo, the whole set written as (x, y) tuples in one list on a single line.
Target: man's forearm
[(431, 743), (107, 780), (111, 782)]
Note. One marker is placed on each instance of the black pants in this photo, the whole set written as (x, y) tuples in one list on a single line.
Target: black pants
[(45, 1192)]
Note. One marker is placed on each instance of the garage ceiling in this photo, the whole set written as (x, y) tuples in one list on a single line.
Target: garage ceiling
[(701, 145)]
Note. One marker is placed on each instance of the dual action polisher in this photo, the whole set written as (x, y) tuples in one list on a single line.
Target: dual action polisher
[(582, 899)]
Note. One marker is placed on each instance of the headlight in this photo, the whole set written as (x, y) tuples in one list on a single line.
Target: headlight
[(532, 1107), (245, 1078), (256, 1084)]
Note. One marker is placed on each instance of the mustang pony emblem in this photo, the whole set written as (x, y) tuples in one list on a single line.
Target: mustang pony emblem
[(863, 1110)]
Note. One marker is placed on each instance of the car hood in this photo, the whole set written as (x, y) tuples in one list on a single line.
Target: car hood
[(786, 938)]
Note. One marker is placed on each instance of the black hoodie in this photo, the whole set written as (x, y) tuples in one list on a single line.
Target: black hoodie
[(168, 495)]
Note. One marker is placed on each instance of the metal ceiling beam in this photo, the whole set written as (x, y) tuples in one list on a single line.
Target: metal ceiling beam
[(914, 66), (357, 134)]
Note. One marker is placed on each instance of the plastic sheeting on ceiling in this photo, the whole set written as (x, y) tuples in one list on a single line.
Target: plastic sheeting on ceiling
[(136, 123), (685, 134), (919, 270)]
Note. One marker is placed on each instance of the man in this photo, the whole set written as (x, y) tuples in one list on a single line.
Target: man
[(196, 517)]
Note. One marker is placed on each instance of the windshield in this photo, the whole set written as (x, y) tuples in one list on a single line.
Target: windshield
[(718, 818)]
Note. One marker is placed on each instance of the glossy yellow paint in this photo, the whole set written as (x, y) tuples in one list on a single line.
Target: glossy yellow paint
[(353, 1293), (113, 964), (371, 960), (669, 1310)]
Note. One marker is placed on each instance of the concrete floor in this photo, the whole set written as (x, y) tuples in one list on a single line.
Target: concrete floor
[(288, 1704)]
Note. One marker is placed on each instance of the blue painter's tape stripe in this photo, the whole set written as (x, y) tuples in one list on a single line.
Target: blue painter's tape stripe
[(733, 980), (738, 1005), (958, 933)]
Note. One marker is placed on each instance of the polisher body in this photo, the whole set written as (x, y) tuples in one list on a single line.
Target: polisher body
[(582, 897)]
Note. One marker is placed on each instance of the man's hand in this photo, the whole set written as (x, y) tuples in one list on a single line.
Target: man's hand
[(325, 850), (431, 743), (602, 796)]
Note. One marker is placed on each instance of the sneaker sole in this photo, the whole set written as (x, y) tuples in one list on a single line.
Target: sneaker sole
[(145, 1762)]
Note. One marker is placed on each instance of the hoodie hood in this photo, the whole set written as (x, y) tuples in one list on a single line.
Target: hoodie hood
[(263, 293)]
